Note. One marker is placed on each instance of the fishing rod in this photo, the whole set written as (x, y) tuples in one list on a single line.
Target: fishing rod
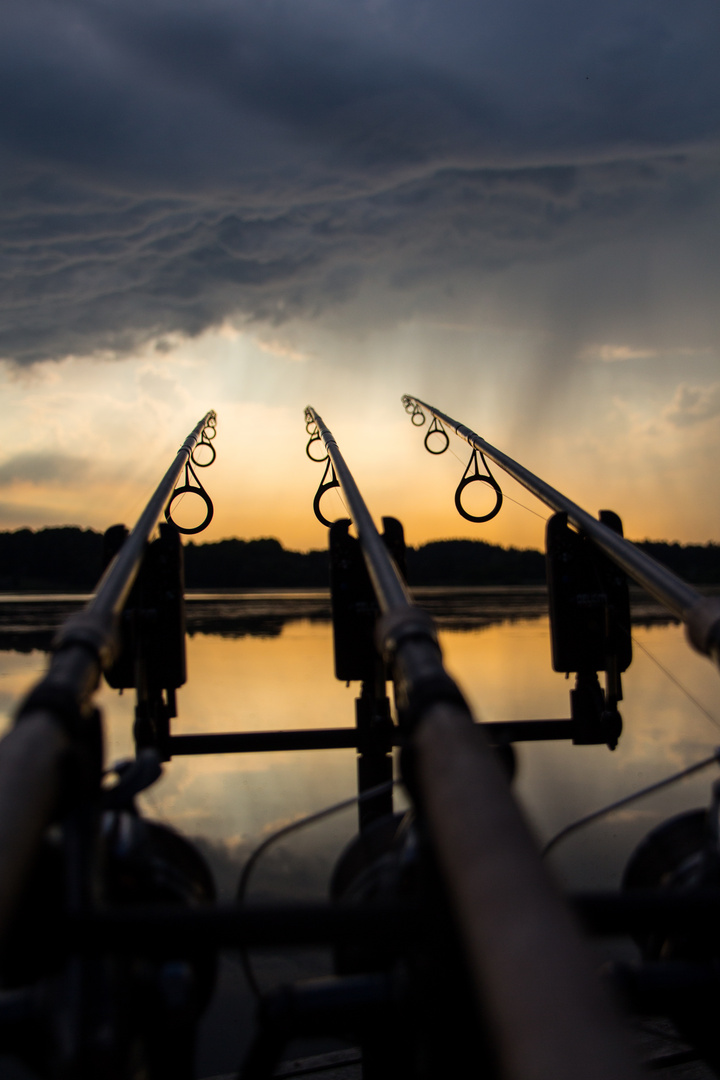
[(497, 888), (700, 614), (57, 721), (389, 587)]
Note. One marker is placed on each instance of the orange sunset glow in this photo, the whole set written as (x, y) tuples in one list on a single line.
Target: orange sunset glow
[(512, 218)]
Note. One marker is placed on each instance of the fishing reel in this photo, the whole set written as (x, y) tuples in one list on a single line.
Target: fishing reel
[(406, 999), (70, 1007), (430, 1024), (681, 855), (680, 971)]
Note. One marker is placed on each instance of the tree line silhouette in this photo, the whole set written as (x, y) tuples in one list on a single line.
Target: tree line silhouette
[(71, 559)]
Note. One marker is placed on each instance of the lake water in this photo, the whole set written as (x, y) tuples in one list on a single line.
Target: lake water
[(263, 661)]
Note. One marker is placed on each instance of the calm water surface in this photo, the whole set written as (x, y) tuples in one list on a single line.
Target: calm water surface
[(264, 661)]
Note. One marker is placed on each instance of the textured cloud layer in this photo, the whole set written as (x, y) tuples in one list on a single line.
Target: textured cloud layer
[(169, 165), (694, 404), (42, 468)]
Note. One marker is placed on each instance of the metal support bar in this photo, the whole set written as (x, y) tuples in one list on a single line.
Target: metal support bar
[(249, 742), (700, 614), (182, 931), (511, 731), (646, 910)]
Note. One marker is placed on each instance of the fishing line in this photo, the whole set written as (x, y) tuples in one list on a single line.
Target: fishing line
[(505, 495), (524, 507), (342, 500), (673, 678), (677, 682), (442, 430), (661, 783), (309, 819), (338, 492), (596, 814)]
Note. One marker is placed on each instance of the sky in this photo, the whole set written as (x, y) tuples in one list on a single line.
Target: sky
[(509, 209)]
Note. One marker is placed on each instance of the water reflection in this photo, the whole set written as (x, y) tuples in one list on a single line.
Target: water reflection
[(504, 670), (264, 662)]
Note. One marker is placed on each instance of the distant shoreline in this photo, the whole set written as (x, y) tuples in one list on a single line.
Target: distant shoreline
[(70, 561), (29, 621)]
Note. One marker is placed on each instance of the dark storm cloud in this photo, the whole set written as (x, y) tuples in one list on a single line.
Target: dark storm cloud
[(169, 164)]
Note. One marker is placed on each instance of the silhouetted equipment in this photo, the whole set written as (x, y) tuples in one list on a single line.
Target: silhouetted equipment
[(461, 859), (700, 614), (672, 879), (587, 560), (472, 475), (87, 1018), (450, 944), (151, 655)]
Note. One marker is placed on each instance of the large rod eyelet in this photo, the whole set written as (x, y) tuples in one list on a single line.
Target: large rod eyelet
[(325, 485), (436, 428), (477, 477), (190, 489), (311, 440), (203, 464), (483, 480)]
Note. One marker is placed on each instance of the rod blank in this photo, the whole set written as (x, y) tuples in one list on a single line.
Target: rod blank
[(57, 711), (529, 969), (700, 614)]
